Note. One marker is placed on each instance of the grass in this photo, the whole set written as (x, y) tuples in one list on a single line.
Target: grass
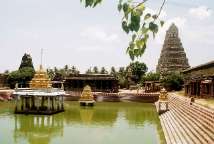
[(209, 102)]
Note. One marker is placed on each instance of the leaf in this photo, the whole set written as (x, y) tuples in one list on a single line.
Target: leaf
[(144, 30), (153, 27), (141, 7), (155, 16), (135, 21), (97, 2), (147, 16), (125, 27), (119, 7), (162, 23), (125, 7), (134, 37), (140, 43)]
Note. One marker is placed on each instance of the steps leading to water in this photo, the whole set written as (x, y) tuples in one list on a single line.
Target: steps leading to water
[(187, 124)]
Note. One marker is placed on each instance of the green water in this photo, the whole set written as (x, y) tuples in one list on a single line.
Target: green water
[(105, 123)]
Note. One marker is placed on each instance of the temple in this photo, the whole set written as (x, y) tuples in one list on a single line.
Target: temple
[(199, 80), (40, 98), (97, 82), (86, 98), (173, 57)]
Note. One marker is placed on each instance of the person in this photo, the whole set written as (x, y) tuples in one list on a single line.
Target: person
[(192, 100)]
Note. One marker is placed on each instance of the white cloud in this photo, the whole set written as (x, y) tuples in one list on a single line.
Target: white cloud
[(201, 12), (99, 34)]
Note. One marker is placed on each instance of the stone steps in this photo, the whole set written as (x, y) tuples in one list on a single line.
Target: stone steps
[(185, 136), (206, 124), (187, 124), (203, 119), (204, 134), (196, 138)]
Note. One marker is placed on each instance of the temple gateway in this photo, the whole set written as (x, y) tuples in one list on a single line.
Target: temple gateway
[(173, 57)]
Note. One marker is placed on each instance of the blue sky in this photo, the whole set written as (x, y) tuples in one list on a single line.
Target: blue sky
[(71, 34)]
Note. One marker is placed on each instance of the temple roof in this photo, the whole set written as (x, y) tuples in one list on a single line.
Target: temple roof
[(199, 67), (40, 80), (91, 77)]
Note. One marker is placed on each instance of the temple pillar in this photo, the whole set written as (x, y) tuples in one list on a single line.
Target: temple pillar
[(62, 102), (48, 103)]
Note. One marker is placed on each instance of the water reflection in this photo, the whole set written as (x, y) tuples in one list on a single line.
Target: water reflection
[(37, 129), (100, 124)]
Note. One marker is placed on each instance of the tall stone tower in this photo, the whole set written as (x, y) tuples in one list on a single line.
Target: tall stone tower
[(173, 57)]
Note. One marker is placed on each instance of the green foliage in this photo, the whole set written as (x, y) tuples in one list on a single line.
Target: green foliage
[(95, 70), (173, 81), (136, 71), (21, 76), (91, 3), (122, 78), (58, 74), (24, 74), (103, 71), (113, 72), (151, 76), (89, 71), (137, 22), (26, 61)]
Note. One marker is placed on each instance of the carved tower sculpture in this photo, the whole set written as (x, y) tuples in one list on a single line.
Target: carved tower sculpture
[(173, 57)]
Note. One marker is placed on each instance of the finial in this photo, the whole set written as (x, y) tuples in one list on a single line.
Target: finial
[(41, 57)]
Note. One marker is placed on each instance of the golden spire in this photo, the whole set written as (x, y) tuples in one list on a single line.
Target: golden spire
[(40, 79), (87, 93)]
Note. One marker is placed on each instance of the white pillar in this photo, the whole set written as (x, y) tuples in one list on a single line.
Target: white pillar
[(48, 103)]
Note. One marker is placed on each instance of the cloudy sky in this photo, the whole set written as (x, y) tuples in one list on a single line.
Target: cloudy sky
[(71, 34)]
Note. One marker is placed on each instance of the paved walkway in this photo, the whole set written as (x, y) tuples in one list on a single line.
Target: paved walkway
[(187, 124)]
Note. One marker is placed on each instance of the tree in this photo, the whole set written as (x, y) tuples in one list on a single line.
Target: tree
[(24, 74), (136, 70), (6, 72), (103, 71), (74, 70), (113, 72), (151, 76), (173, 81), (89, 71), (137, 22), (21, 76), (122, 78), (50, 73), (26, 61), (95, 70)]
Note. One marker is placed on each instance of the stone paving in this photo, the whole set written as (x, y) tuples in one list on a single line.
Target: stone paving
[(187, 123)]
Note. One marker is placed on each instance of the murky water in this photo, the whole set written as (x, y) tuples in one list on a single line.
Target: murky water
[(105, 123)]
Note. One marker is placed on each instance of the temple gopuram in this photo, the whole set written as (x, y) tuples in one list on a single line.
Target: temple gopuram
[(97, 82), (173, 57), (199, 80)]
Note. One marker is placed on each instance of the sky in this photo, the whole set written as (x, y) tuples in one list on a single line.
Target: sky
[(71, 34)]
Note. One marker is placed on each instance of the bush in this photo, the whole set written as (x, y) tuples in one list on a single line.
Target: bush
[(173, 81)]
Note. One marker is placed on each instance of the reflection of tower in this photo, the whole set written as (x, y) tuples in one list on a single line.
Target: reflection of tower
[(38, 129), (86, 115), (173, 57)]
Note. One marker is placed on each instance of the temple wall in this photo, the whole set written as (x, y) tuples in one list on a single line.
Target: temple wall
[(199, 81)]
